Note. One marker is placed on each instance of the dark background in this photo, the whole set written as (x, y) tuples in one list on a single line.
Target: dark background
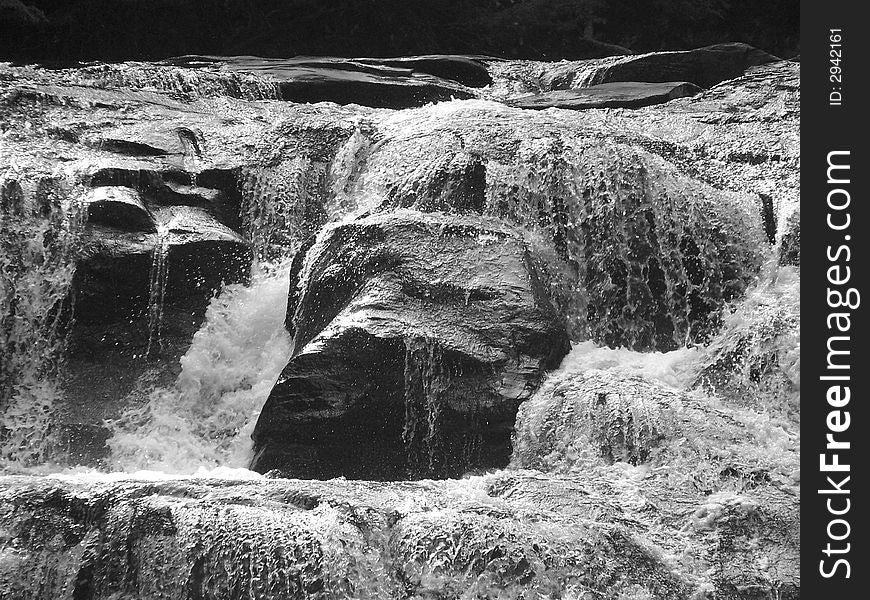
[(70, 30)]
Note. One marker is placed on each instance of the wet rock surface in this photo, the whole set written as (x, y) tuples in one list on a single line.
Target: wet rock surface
[(609, 95), (504, 533), (731, 476), (425, 328), (438, 259)]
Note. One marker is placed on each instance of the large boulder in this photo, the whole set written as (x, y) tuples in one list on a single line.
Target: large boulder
[(416, 336)]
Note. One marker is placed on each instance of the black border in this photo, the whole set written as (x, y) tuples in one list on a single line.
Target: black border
[(826, 128)]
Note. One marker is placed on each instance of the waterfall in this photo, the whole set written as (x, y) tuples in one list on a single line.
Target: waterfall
[(282, 205), (205, 419), (40, 227)]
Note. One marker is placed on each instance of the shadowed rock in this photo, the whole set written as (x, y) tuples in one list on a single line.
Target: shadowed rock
[(631, 94), (416, 336), (113, 279), (704, 67), (119, 207)]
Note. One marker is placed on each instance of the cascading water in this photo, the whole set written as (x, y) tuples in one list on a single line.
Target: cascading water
[(426, 383), (636, 251), (205, 419), (40, 227), (282, 205), (158, 280)]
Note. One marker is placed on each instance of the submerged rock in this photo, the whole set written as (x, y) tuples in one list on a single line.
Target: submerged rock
[(307, 539), (630, 94), (754, 360), (416, 335), (598, 416), (710, 484)]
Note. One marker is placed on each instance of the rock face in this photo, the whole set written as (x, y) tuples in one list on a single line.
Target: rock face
[(439, 258), (609, 95), (708, 481), (416, 336), (309, 539)]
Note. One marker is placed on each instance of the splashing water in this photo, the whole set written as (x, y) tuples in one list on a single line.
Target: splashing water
[(206, 418), (676, 368), (40, 226)]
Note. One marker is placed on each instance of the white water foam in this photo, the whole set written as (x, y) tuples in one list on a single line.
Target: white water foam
[(206, 418), (676, 368)]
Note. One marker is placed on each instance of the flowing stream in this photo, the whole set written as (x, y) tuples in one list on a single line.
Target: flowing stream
[(205, 420), (653, 247)]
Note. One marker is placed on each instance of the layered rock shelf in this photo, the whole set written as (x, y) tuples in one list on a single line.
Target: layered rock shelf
[(477, 327)]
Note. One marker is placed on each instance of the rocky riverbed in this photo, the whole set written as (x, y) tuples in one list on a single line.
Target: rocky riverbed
[(479, 328)]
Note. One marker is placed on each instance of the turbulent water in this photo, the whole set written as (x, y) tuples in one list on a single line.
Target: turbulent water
[(40, 227), (205, 420), (658, 460)]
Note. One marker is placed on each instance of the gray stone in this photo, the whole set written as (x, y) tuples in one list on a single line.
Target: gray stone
[(630, 94), (119, 207), (416, 336)]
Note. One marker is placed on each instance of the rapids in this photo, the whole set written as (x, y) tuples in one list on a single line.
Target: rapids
[(205, 419), (145, 330)]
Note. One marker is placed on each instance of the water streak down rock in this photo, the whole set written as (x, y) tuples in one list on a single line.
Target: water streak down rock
[(416, 336), (636, 233), (443, 256)]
